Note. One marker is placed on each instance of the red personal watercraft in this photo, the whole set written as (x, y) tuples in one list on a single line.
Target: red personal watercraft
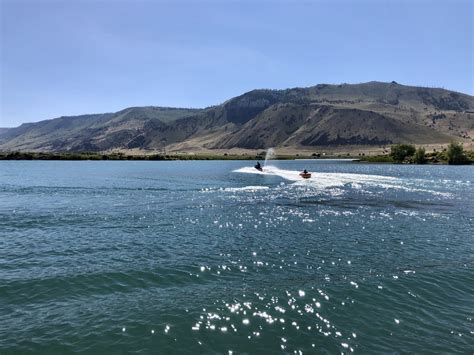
[(305, 175)]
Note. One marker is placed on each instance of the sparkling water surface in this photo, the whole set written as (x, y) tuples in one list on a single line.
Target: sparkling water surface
[(213, 257)]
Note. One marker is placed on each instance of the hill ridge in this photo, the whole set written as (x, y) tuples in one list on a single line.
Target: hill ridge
[(372, 113)]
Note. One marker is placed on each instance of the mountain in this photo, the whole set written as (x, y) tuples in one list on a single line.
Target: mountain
[(367, 114), (96, 132)]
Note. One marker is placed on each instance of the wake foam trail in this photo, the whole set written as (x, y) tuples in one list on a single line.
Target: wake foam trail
[(246, 188), (323, 181), (273, 171), (236, 189)]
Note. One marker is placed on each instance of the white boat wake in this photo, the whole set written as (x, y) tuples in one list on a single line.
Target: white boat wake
[(323, 181)]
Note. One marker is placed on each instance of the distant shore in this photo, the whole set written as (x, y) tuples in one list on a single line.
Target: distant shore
[(435, 158), (123, 156), (157, 157)]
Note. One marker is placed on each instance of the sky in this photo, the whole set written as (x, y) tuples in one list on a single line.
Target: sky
[(61, 58)]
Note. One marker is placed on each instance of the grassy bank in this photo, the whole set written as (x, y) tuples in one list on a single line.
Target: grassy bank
[(429, 158), (122, 156), (441, 157)]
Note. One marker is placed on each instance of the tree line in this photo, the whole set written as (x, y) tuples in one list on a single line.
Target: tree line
[(454, 154)]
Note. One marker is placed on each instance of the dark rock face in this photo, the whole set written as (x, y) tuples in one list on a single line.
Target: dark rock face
[(136, 142), (324, 140), (247, 106), (452, 101)]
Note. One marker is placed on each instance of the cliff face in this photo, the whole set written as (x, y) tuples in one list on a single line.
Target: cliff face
[(323, 115)]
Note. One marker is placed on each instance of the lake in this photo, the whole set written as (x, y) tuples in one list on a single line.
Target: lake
[(212, 256)]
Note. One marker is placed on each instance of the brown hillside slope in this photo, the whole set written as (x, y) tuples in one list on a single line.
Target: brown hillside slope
[(292, 125), (371, 113)]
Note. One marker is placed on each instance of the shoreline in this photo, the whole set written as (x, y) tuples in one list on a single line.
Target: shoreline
[(157, 157), (432, 158)]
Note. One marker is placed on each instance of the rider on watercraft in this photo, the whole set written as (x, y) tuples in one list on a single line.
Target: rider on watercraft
[(305, 174)]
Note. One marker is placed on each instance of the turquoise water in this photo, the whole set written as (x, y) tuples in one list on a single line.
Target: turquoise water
[(212, 257)]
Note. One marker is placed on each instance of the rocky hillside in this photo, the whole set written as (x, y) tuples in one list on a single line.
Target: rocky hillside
[(372, 113), (125, 129)]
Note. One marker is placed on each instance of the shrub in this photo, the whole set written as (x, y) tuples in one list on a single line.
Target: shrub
[(419, 157), (401, 151), (455, 154), (470, 155), (378, 159)]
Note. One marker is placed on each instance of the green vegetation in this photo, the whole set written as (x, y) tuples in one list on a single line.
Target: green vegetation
[(420, 156), (458, 156), (455, 154), (122, 156), (400, 152)]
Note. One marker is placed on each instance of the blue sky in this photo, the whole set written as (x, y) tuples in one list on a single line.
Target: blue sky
[(74, 57)]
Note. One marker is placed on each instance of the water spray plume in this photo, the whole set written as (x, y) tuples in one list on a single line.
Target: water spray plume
[(270, 155)]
